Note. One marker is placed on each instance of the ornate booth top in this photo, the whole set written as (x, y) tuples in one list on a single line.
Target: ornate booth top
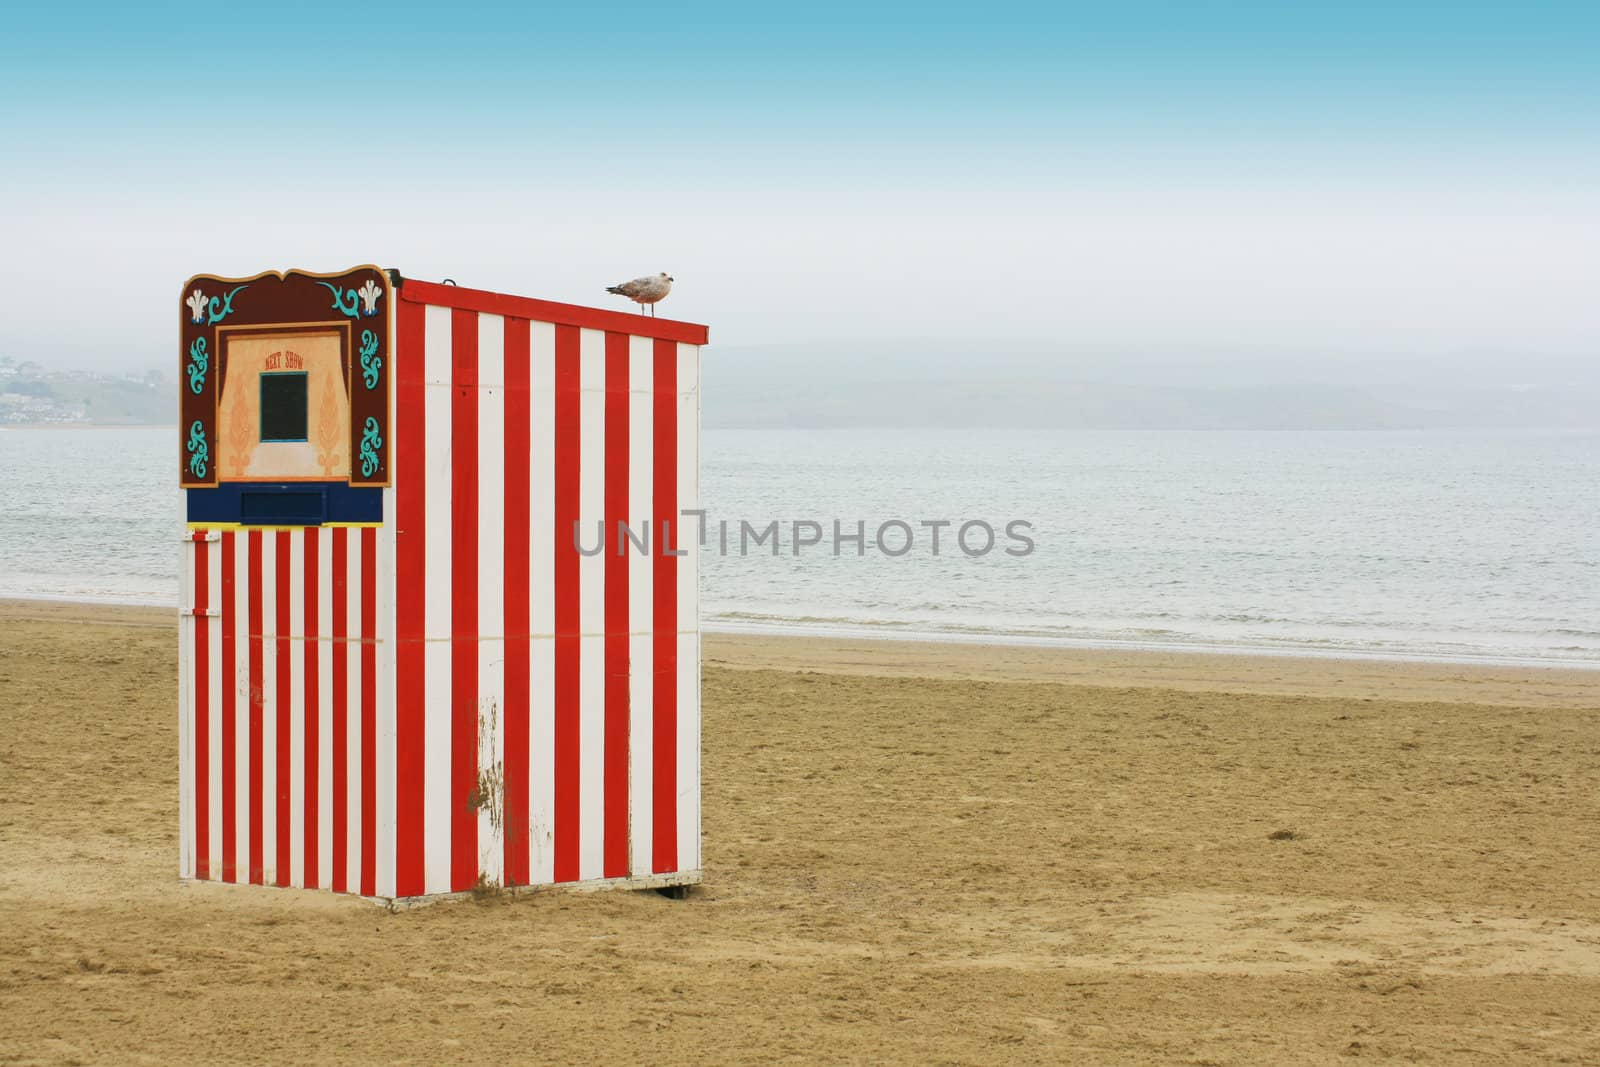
[(351, 307)]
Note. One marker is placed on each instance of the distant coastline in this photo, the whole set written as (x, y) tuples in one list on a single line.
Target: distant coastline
[(38, 397), (87, 426)]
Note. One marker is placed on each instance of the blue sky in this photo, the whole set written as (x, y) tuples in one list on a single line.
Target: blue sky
[(1411, 179)]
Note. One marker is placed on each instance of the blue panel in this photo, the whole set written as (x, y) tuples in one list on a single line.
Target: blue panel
[(285, 503), (299, 507)]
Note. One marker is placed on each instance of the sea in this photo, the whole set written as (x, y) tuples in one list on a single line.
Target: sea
[(1472, 546)]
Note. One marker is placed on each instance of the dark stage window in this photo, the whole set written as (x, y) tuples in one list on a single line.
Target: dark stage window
[(283, 406)]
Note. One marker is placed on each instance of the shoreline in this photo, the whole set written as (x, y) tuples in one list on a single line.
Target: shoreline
[(997, 640), (1510, 683), (1131, 644)]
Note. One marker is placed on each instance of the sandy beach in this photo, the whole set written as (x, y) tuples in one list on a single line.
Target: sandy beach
[(914, 853)]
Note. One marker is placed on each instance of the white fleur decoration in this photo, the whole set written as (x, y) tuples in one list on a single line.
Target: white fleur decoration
[(197, 305), (369, 294)]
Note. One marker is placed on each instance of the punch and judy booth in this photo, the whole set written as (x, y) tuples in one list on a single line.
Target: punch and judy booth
[(440, 613)]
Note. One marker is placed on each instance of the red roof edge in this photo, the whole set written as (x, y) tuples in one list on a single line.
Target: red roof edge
[(523, 307)]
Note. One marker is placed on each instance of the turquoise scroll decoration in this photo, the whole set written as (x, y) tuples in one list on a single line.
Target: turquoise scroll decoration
[(200, 453), (371, 362), (345, 301), (354, 303), (197, 366), (222, 306), (370, 443)]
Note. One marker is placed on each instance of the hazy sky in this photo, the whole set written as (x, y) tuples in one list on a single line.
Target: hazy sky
[(1379, 182)]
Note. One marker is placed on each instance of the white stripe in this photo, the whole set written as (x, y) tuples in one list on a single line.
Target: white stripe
[(641, 598), (324, 708), (437, 618), (541, 604), (186, 705), (241, 706), (689, 612), (269, 708), (297, 710), (491, 594), (386, 753), (353, 630), (214, 749), (591, 603)]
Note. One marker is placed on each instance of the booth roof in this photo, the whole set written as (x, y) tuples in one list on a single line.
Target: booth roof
[(523, 307)]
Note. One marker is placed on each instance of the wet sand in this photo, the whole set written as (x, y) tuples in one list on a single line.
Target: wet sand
[(914, 853)]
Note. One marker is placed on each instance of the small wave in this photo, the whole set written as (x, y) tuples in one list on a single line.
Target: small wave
[(1583, 658), (1416, 646)]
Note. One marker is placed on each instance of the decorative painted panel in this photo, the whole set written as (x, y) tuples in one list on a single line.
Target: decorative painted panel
[(349, 432)]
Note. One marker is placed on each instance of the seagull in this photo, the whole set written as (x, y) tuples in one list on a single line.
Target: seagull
[(647, 290)]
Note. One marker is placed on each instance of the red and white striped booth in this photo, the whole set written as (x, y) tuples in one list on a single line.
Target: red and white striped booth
[(405, 668)]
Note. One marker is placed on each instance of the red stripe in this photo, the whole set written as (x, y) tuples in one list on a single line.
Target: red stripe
[(312, 724), (230, 732), (257, 700), (410, 594), (463, 599), (567, 446), (518, 434), (616, 594), (284, 756), (369, 711), (341, 710), (202, 713), (573, 315), (664, 703)]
